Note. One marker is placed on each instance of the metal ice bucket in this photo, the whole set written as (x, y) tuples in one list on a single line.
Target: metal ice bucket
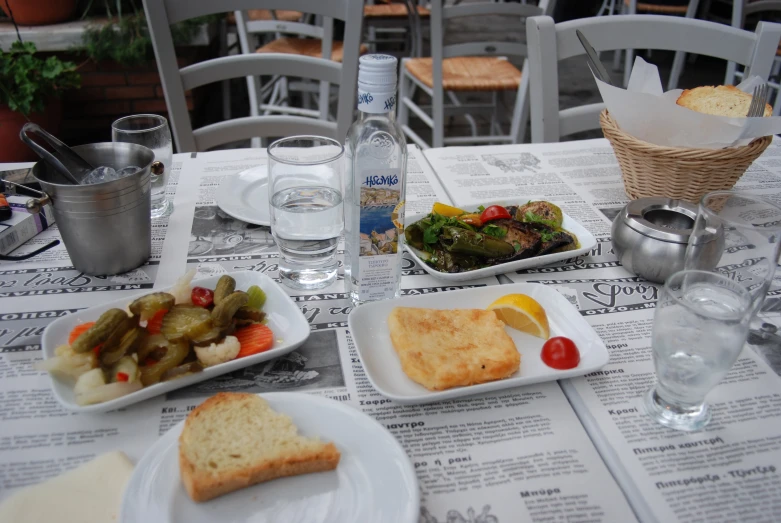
[(106, 226)]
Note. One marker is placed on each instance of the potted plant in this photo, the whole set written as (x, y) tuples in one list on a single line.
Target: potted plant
[(39, 12), (30, 86)]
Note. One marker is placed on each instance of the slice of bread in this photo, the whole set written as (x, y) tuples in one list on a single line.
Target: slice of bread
[(234, 440), (723, 100)]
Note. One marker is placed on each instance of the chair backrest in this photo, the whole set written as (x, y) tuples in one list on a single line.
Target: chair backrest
[(759, 6), (162, 13), (550, 42)]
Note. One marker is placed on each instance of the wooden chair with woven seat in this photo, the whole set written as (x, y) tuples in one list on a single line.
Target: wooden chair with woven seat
[(632, 7), (549, 43), (161, 14), (292, 38), (466, 67), (395, 17)]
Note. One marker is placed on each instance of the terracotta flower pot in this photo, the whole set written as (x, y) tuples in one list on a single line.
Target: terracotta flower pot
[(12, 149), (39, 12)]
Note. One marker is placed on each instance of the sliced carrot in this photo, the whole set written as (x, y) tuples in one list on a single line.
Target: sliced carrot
[(254, 339), (155, 323), (78, 330)]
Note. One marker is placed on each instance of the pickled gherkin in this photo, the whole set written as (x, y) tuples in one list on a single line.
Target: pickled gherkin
[(146, 306), (130, 343), (257, 298), (212, 335), (174, 356), (225, 286), (186, 322), (250, 313), (112, 342), (223, 313), (98, 333)]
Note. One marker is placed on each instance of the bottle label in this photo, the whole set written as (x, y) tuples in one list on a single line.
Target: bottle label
[(377, 102), (381, 217)]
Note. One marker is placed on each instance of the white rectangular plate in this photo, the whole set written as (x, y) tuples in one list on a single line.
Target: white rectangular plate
[(586, 239), (369, 328), (284, 319)]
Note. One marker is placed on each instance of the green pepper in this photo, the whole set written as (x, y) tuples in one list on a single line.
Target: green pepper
[(463, 242)]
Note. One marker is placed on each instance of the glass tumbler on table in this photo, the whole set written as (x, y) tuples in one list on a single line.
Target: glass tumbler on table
[(700, 327), (305, 196), (150, 130)]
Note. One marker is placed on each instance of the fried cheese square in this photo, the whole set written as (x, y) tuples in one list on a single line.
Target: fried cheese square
[(442, 349)]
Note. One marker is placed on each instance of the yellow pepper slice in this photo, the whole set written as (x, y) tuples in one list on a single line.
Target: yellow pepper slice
[(446, 210)]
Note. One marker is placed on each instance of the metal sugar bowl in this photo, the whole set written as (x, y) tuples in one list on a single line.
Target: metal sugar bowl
[(651, 235), (106, 226)]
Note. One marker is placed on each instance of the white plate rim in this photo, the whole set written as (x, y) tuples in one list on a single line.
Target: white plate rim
[(601, 354), (299, 328), (225, 197), (170, 438), (587, 242)]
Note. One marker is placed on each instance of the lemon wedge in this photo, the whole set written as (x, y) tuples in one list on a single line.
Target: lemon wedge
[(523, 313)]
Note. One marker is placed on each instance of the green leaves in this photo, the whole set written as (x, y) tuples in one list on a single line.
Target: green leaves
[(495, 231), (530, 217), (27, 82)]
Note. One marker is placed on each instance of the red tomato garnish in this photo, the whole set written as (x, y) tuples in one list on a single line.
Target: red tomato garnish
[(149, 362), (96, 350), (494, 212), (560, 353), (122, 376), (202, 297)]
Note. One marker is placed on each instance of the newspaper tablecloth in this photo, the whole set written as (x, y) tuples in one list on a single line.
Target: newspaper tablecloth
[(579, 450)]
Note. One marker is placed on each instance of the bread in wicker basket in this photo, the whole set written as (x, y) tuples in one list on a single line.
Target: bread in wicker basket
[(682, 173)]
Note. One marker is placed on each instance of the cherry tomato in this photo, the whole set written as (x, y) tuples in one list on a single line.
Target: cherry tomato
[(560, 353), (202, 297), (494, 212)]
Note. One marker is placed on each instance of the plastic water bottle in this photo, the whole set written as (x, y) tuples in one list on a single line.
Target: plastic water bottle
[(376, 161)]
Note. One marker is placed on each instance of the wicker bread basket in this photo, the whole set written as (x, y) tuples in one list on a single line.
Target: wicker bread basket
[(677, 172)]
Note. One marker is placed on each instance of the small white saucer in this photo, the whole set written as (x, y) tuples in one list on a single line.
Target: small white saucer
[(244, 196)]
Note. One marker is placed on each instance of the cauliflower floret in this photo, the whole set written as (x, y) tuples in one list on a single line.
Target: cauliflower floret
[(182, 291), (217, 353), (67, 363)]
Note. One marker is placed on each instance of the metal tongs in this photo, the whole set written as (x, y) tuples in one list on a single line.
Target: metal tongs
[(65, 160), (593, 59)]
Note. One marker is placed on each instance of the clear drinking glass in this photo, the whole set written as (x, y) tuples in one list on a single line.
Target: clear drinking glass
[(737, 234), (305, 196), (700, 327), (150, 130)]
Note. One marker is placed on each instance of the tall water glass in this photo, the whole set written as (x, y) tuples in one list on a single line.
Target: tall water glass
[(700, 326), (738, 235), (150, 130), (305, 196)]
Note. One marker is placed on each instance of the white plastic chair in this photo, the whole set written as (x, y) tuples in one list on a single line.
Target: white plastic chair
[(432, 77), (286, 36), (759, 7), (162, 13), (550, 43), (630, 7)]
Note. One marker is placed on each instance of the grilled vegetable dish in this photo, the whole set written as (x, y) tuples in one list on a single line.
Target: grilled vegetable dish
[(454, 240), (160, 337)]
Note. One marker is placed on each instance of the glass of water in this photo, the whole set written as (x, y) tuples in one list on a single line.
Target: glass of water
[(700, 326), (150, 130), (738, 235), (305, 196)]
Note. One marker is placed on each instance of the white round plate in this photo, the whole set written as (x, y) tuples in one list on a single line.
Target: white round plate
[(373, 482), (244, 196)]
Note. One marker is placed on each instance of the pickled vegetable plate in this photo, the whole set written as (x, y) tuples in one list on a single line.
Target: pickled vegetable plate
[(584, 237), (285, 319)]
